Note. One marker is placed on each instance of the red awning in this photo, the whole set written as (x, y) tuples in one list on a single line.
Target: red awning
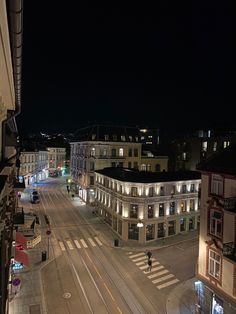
[(21, 239)]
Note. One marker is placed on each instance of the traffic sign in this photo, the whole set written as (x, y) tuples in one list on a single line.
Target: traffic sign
[(48, 232)]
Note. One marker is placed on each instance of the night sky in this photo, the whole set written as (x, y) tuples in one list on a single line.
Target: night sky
[(171, 66)]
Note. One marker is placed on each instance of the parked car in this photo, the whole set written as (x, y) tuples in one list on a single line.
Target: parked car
[(34, 196)]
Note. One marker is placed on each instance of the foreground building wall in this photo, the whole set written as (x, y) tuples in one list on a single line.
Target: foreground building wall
[(216, 271)]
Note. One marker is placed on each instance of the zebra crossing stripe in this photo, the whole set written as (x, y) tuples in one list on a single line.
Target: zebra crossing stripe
[(136, 255), (83, 242), (158, 273), (62, 246), (141, 263), (98, 241), (77, 244), (169, 283), (69, 245), (91, 241), (139, 259), (153, 264), (153, 269), (163, 278)]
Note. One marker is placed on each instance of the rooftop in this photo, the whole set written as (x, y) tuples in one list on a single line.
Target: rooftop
[(221, 162), (131, 175)]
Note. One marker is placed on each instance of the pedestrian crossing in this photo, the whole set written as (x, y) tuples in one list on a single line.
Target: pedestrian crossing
[(159, 276), (79, 243)]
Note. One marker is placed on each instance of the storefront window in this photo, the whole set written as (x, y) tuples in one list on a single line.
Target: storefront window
[(150, 232)]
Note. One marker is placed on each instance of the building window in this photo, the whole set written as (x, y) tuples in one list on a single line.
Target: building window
[(143, 167), (217, 183), (91, 180), (113, 152), (191, 223), (192, 188), (182, 223), (130, 152), (134, 191), (214, 146), (171, 227), (113, 164), (183, 206), (104, 152), (216, 223), (133, 212), (214, 266), (135, 165), (120, 208), (161, 210), (204, 146), (130, 138), (114, 137), (160, 230), (91, 166), (129, 164), (184, 188), (121, 152), (162, 191), (157, 168), (184, 156), (135, 152), (150, 191), (122, 138), (133, 232), (150, 232), (150, 211), (191, 205), (172, 208), (92, 152)]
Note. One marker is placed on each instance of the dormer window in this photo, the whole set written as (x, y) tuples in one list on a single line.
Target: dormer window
[(106, 136), (122, 138)]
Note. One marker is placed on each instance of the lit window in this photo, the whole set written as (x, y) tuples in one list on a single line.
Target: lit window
[(204, 146), (92, 151), (217, 182), (214, 265), (121, 152), (123, 138), (214, 146)]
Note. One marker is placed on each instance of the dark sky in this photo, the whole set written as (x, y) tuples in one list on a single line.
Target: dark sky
[(169, 66)]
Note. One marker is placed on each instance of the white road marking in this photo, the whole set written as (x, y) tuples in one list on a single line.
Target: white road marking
[(139, 259), (98, 241), (91, 241), (136, 255), (159, 273), (77, 244), (62, 246), (168, 283), (153, 269), (141, 263), (70, 245), (83, 242), (163, 278)]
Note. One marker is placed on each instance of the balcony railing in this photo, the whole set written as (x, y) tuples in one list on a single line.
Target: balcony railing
[(230, 204), (229, 250)]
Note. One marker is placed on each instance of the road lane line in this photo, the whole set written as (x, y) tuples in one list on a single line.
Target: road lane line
[(163, 278), (153, 269), (70, 245), (98, 241), (83, 242), (77, 244), (159, 273), (136, 255), (169, 283), (109, 291), (119, 310), (91, 241), (62, 245)]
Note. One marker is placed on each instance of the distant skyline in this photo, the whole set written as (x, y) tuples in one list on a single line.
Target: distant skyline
[(169, 67)]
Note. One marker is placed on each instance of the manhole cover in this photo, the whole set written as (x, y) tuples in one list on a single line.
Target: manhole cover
[(66, 295)]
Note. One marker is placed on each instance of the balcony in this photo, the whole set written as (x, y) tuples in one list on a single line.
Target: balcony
[(230, 204), (229, 251)]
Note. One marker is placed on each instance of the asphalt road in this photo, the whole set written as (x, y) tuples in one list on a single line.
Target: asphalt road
[(86, 274)]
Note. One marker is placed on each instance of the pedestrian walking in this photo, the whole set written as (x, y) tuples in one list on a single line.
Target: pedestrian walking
[(68, 189), (149, 264), (149, 254)]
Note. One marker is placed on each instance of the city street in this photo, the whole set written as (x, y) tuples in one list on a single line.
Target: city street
[(85, 271)]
